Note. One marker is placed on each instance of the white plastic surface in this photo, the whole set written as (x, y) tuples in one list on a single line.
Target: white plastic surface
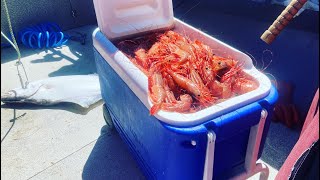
[(119, 18), (138, 83)]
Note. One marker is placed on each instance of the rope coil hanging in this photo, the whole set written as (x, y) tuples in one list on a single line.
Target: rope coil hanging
[(16, 47)]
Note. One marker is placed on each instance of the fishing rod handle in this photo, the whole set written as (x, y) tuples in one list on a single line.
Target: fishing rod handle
[(282, 21)]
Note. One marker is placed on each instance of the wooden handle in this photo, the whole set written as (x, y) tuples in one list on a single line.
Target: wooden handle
[(282, 21)]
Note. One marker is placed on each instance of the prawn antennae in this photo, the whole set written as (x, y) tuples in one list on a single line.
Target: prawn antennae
[(269, 61), (190, 9)]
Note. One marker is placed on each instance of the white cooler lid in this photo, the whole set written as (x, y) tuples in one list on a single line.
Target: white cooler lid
[(120, 18)]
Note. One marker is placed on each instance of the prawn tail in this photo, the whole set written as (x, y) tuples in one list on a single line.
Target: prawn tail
[(155, 108)]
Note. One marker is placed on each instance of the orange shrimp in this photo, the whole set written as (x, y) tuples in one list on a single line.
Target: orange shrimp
[(182, 42), (154, 49), (165, 38), (183, 55), (141, 58), (157, 92), (171, 104), (200, 92), (206, 97), (185, 83), (230, 75), (186, 47), (161, 49), (175, 36), (179, 106), (175, 66), (243, 85), (220, 63), (170, 98), (221, 90), (195, 77), (203, 50), (207, 74), (169, 83)]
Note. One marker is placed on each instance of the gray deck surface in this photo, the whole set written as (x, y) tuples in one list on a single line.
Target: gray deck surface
[(55, 142), (65, 142)]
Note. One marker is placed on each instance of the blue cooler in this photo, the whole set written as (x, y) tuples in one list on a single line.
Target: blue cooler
[(219, 142)]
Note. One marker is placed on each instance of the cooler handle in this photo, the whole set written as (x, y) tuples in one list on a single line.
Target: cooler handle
[(208, 166), (251, 165)]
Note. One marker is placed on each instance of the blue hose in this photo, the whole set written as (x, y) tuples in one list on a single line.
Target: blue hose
[(43, 35)]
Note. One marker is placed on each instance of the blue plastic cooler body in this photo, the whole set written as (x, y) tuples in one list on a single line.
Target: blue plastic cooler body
[(164, 151)]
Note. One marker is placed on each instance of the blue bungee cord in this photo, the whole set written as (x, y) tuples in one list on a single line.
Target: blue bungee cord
[(43, 35)]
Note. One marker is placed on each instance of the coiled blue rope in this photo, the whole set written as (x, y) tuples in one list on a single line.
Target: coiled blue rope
[(43, 35)]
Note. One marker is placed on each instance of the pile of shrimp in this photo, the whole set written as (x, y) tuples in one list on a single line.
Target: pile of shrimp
[(185, 76)]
